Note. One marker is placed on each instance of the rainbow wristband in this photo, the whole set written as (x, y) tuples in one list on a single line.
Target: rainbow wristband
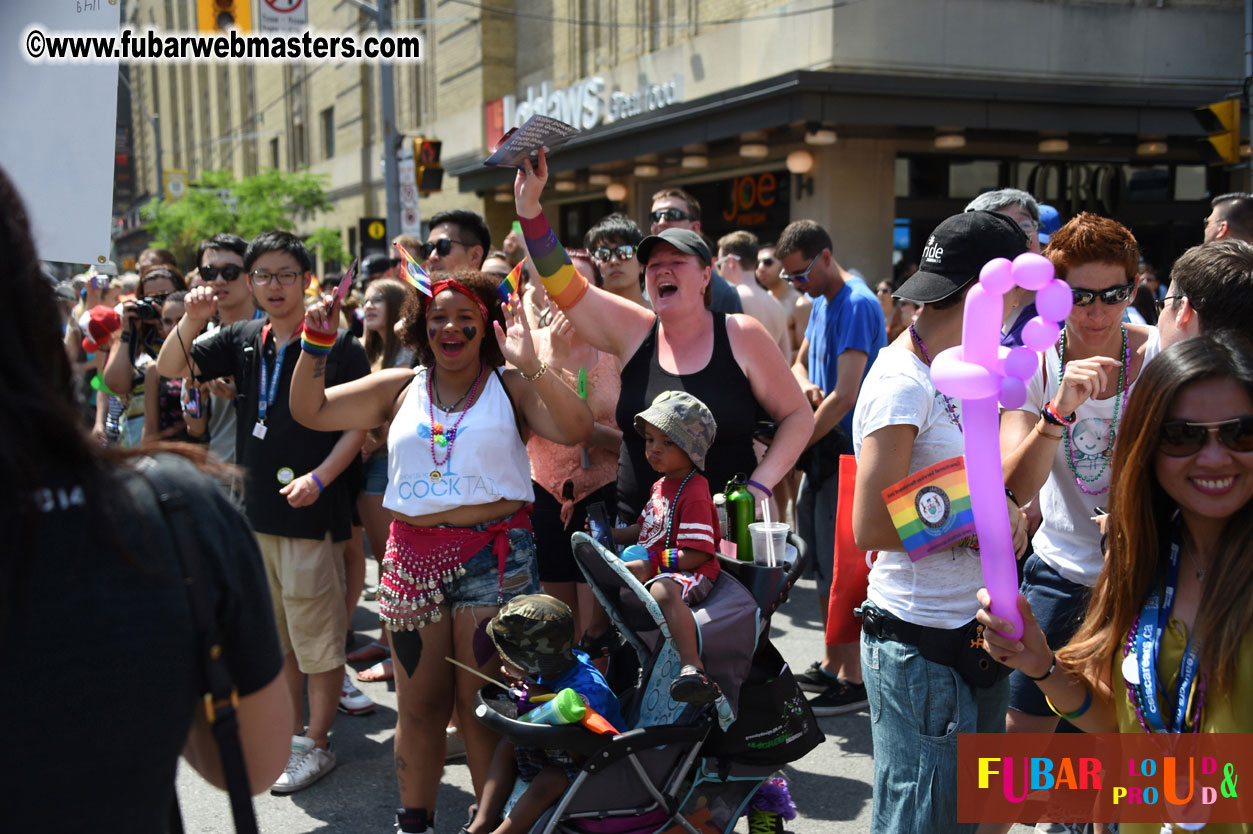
[(317, 344), (669, 559), (1087, 702)]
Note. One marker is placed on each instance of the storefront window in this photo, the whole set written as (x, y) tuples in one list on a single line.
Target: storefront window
[(970, 178)]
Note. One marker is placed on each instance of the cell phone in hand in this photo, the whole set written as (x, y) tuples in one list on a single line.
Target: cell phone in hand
[(598, 523)]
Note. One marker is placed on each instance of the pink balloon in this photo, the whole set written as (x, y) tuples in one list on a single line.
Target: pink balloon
[(1032, 271), (1013, 393), (1040, 334), (997, 276), (956, 377), (1054, 300), (1020, 363)]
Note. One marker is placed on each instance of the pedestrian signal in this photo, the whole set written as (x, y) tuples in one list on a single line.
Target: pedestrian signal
[(429, 173), (217, 16)]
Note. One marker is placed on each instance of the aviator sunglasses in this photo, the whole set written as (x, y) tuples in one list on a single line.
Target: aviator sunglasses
[(671, 214), (1181, 439), (1111, 296), (623, 252), (229, 272)]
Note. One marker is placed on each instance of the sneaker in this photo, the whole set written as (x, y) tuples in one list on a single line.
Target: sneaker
[(693, 687), (352, 700), (839, 698), (308, 763), (764, 822), (815, 678), (370, 593)]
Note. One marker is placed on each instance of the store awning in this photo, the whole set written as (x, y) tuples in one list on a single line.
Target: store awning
[(877, 105)]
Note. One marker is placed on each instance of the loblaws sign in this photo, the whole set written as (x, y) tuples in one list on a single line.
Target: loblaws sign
[(584, 105)]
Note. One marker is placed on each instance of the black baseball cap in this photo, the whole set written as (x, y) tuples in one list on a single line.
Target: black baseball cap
[(957, 250), (685, 240), (374, 264)]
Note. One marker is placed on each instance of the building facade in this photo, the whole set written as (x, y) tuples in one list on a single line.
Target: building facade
[(876, 119)]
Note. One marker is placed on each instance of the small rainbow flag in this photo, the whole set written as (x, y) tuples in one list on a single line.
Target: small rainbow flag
[(509, 285), (931, 508), (414, 273)]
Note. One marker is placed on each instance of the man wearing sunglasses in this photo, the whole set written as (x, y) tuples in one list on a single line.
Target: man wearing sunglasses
[(846, 331), (459, 239), (220, 260), (1211, 288), (674, 208), (795, 304)]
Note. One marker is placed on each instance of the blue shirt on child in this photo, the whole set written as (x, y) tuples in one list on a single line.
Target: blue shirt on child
[(586, 679)]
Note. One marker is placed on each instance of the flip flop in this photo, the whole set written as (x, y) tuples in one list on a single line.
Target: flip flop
[(371, 651), (381, 671)]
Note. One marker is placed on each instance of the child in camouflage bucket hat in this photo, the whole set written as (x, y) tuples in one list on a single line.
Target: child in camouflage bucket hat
[(534, 635), (679, 528)]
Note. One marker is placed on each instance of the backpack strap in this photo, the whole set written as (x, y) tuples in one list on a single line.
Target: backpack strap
[(221, 697)]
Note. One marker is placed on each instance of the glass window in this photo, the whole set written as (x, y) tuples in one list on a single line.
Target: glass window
[(328, 132), (967, 179), (1190, 182), (902, 177)]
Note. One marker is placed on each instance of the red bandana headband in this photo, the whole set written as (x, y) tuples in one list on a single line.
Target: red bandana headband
[(456, 286)]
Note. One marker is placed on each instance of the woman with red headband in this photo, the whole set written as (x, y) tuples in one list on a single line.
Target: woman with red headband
[(459, 491)]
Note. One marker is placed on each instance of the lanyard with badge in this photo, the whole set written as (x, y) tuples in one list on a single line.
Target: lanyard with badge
[(268, 383), (1148, 637)]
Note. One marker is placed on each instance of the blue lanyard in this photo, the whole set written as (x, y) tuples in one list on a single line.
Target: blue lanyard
[(269, 388), (1153, 620)]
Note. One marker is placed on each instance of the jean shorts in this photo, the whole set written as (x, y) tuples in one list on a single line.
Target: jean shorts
[(1059, 606), (376, 474), (481, 585)]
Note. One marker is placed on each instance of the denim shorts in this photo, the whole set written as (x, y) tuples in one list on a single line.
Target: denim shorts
[(1059, 606), (481, 583), (376, 474), (917, 708)]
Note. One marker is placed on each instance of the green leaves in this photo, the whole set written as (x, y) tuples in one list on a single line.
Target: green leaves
[(217, 203)]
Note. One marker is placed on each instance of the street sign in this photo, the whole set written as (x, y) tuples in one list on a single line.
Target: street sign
[(372, 232), (285, 17), (175, 183)]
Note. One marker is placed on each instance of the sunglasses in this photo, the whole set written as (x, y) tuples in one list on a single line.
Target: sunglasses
[(765, 261), (670, 214), (1111, 296), (229, 272), (623, 252), (802, 277), (1181, 439), (1161, 305), (442, 247)]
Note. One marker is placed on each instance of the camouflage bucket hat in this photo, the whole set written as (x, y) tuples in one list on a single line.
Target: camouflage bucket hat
[(535, 632), (685, 420)]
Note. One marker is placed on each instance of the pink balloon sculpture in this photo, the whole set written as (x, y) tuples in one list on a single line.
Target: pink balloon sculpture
[(980, 372)]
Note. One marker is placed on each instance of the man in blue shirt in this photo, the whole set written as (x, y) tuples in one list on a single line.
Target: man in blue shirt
[(845, 333)]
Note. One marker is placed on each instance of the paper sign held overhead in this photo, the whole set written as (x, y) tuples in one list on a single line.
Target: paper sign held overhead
[(522, 142)]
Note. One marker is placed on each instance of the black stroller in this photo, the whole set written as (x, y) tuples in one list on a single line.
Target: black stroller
[(678, 767)]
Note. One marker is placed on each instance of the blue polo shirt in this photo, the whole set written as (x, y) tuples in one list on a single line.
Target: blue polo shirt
[(852, 320)]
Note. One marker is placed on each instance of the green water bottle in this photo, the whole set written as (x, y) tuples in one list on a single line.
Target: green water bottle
[(739, 515), (567, 707)]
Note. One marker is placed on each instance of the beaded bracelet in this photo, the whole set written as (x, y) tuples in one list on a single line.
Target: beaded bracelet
[(1087, 702), (316, 344), (760, 487), (318, 481), (669, 559)]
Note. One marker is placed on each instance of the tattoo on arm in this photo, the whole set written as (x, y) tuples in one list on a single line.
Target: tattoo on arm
[(319, 367)]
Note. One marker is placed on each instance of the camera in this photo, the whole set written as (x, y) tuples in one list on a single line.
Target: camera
[(148, 309)]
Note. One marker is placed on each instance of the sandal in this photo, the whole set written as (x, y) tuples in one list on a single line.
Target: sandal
[(381, 671), (692, 686), (602, 646), (370, 653)]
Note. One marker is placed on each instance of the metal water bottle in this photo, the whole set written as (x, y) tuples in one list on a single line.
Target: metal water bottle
[(739, 515)]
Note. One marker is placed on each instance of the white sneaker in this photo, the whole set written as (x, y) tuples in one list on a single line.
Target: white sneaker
[(307, 764), (352, 700)]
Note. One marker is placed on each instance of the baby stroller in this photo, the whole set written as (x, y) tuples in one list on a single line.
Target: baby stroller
[(678, 767)]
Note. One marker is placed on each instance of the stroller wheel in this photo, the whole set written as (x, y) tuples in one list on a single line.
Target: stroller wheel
[(692, 686)]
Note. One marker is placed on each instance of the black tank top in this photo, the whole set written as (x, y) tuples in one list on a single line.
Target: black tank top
[(720, 385)]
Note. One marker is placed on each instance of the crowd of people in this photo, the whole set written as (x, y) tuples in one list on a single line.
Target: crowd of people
[(461, 438)]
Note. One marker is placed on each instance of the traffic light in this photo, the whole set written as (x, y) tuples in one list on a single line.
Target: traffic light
[(216, 16), (1222, 121), (430, 174)]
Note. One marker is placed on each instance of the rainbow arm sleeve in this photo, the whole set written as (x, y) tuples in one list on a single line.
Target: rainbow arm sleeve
[(562, 281)]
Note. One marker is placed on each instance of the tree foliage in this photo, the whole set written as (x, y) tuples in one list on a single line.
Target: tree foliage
[(218, 203)]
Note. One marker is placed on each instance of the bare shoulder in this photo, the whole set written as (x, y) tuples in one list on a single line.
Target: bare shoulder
[(743, 329)]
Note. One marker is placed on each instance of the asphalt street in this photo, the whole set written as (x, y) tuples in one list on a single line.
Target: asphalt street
[(831, 785)]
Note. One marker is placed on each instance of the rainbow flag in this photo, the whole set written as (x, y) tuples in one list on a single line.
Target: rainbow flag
[(509, 285), (931, 508), (414, 273)]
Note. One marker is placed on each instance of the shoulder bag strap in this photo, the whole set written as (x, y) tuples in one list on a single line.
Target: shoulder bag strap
[(221, 697)]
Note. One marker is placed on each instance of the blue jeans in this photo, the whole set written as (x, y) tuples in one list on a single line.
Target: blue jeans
[(917, 708), (1059, 606)]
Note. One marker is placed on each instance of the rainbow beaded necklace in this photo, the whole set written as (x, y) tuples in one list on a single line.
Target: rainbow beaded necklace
[(439, 436)]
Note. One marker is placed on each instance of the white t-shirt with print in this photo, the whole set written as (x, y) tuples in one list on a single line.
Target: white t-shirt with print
[(1068, 540), (937, 590)]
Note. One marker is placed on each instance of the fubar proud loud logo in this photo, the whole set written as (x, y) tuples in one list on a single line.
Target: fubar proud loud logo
[(1185, 781)]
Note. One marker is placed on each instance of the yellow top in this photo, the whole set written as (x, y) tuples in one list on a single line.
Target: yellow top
[(1218, 715)]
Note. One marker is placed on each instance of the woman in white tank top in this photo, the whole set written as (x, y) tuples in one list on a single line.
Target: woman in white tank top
[(459, 491)]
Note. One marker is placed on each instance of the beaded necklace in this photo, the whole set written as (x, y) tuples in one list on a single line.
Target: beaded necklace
[(948, 404), (440, 437), (440, 403), (1120, 404)]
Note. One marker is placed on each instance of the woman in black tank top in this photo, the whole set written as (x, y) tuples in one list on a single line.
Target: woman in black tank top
[(721, 385)]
